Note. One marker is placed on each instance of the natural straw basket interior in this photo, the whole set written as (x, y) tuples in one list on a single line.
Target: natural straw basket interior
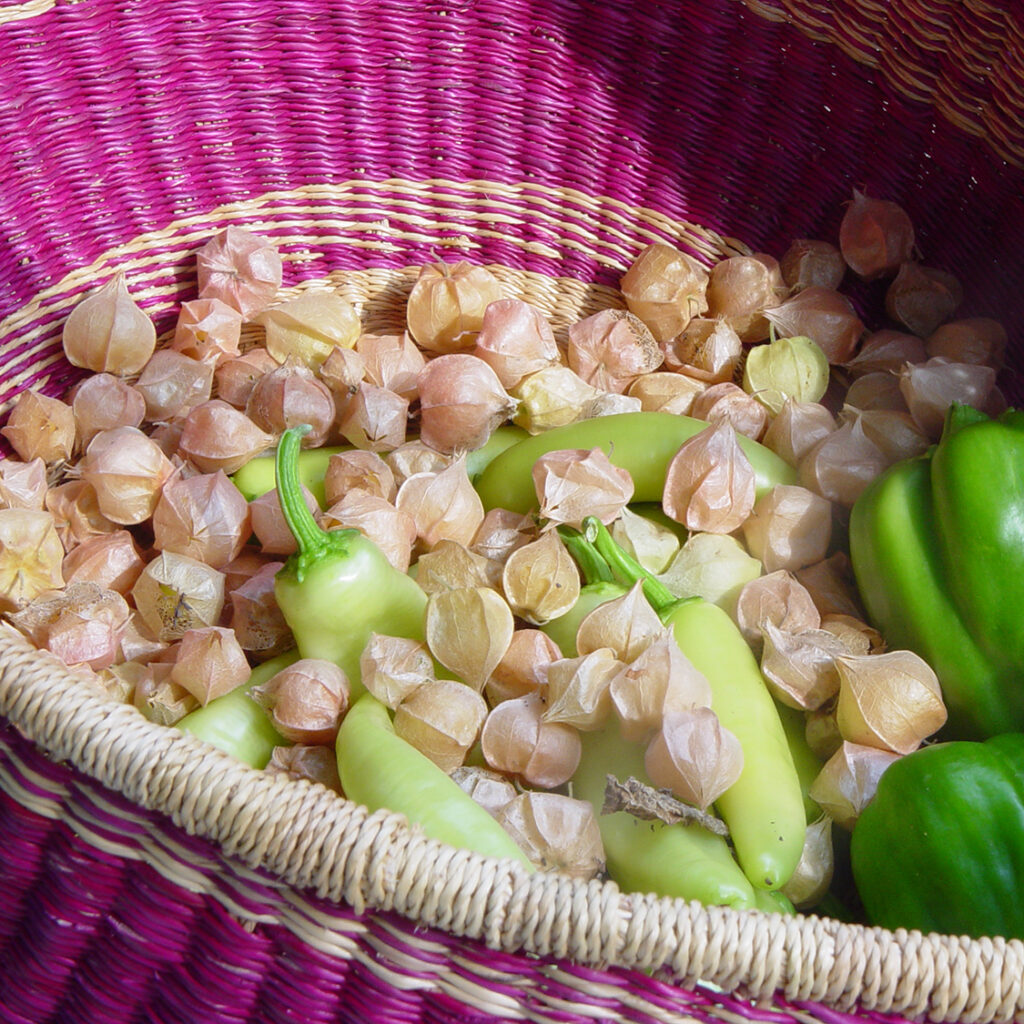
[(144, 876)]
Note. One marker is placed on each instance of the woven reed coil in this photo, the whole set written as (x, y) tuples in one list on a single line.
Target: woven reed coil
[(145, 877)]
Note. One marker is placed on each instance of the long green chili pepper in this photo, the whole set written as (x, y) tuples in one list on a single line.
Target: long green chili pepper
[(764, 808), (236, 723), (382, 771), (641, 442), (259, 475), (338, 588), (685, 861)]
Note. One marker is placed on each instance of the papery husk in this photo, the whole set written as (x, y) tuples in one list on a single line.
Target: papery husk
[(501, 532), (291, 395), (441, 719), (694, 756), (107, 331), (443, 505), (393, 667), (269, 525), (708, 350), (790, 527), (664, 391), (523, 667), (557, 833), (977, 339), (577, 689), (786, 369), (886, 351), (810, 262), (552, 397), (412, 457), (358, 470), (305, 700), (309, 762), (468, 631), (895, 433), (831, 585), (450, 565), (309, 327), (824, 315), (714, 566), (239, 268), (812, 877), (876, 390), (658, 680), (208, 330), (729, 403), (392, 529), (611, 348), (462, 402), (172, 384), (572, 484), (540, 579), (101, 402), (800, 668), (23, 484), (797, 428), (127, 471), (111, 560), (374, 418), (219, 436), (848, 781), (234, 379), (176, 593), (515, 740), (921, 298), (740, 289), (490, 789), (391, 361), (931, 387), (777, 598), (875, 236), (665, 288), (842, 464), (258, 623), (709, 483), (627, 625), (515, 340), (210, 663), (446, 306), (892, 701), (40, 427)]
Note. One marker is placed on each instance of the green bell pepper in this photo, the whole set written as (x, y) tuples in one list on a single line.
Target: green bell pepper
[(941, 846), (937, 547)]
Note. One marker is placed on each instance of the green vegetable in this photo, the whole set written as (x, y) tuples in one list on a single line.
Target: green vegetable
[(381, 771), (941, 845), (338, 588), (764, 808), (643, 443), (937, 546), (685, 861), (259, 475), (235, 723)]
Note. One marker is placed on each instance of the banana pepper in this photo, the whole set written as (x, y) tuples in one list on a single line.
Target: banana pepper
[(937, 546)]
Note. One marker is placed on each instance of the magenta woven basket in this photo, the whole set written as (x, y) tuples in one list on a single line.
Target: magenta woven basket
[(146, 877)]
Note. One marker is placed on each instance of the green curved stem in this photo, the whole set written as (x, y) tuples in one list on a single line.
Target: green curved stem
[(625, 567), (303, 526)]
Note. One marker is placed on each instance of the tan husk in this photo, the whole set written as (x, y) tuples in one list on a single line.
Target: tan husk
[(740, 289), (490, 789), (848, 781), (393, 667), (651, 543), (976, 339), (374, 418), (790, 527), (664, 391), (577, 689), (443, 505), (450, 565), (441, 719), (540, 579), (842, 464), (392, 529), (557, 833), (468, 631), (777, 598), (800, 668), (219, 436), (694, 756), (886, 351), (612, 348), (627, 624), (239, 268), (665, 288), (210, 662), (572, 484), (175, 593), (729, 403), (875, 236), (111, 560), (929, 389), (76, 516), (552, 397), (921, 298), (309, 327), (127, 470), (288, 396), (102, 402), (358, 469), (40, 427), (446, 306), (515, 340), (172, 384), (305, 700), (809, 262), (715, 566), (208, 330), (892, 700), (391, 361), (707, 350), (797, 428), (523, 667), (824, 315), (812, 877), (312, 762)]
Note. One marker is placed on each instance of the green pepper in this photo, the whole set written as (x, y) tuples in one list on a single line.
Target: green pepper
[(258, 475), (643, 443), (937, 547), (235, 723), (941, 845), (764, 808), (338, 587), (380, 770)]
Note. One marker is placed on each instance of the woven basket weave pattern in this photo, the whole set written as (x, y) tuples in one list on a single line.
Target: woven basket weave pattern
[(150, 878)]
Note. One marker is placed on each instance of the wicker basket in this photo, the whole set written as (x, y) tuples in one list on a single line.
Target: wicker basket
[(145, 877)]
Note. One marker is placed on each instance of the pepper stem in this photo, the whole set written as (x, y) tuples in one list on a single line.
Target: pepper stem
[(627, 568), (307, 533), (593, 567)]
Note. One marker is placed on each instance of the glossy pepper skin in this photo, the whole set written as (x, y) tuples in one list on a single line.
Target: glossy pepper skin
[(643, 443), (941, 846), (936, 543), (764, 808), (338, 588)]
